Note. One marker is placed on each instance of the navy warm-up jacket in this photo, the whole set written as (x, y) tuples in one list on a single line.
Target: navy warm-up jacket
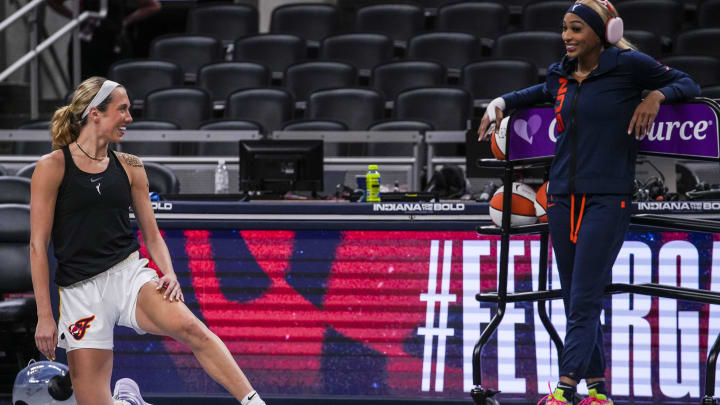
[(594, 154)]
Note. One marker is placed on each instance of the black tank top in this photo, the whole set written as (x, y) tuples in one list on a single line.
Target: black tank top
[(91, 230)]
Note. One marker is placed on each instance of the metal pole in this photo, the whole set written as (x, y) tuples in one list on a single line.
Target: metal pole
[(75, 80), (34, 77), (18, 14)]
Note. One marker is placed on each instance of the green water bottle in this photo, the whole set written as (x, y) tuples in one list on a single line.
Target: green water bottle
[(372, 184)]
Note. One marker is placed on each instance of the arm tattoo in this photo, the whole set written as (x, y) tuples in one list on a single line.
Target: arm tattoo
[(131, 160)]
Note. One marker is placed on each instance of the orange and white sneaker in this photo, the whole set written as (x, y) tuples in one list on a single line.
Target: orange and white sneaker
[(595, 398)]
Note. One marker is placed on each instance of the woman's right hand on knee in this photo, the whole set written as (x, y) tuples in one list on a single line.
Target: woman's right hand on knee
[(46, 337)]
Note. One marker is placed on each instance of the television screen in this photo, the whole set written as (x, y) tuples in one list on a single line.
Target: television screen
[(281, 166)]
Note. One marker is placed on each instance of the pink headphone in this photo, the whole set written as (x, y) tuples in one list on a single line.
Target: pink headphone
[(614, 26)]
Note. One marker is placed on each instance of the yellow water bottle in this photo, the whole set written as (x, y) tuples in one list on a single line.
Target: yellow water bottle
[(372, 184)]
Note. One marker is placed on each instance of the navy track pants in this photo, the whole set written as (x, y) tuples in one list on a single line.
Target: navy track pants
[(587, 232)]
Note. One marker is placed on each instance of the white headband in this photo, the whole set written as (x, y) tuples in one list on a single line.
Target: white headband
[(107, 87)]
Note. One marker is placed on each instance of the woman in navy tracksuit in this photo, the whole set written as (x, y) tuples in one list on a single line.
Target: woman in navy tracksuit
[(596, 89)]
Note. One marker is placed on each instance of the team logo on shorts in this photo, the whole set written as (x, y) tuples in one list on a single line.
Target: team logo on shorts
[(77, 329)]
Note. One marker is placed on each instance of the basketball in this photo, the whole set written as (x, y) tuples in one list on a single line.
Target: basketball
[(522, 209), (541, 203), (498, 140)]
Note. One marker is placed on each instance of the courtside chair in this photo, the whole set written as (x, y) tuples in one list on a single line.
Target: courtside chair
[(151, 148), (303, 78), (161, 178), (451, 49), (645, 41), (276, 51), (14, 190), (190, 52), (486, 21), (544, 15), (400, 22), (362, 50), (269, 107), (310, 21), (141, 76), (704, 69), (708, 13), (540, 47), (662, 17), (394, 77), (221, 79), (703, 41), (226, 22), (492, 78), (18, 316)]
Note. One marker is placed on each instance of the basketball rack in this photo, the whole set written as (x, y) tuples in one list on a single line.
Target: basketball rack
[(521, 155)]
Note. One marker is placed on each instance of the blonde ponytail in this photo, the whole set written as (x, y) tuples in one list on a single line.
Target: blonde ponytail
[(64, 128)]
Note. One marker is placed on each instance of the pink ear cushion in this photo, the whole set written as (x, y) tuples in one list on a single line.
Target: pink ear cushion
[(614, 31)]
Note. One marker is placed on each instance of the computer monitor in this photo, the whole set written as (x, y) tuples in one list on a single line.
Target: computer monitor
[(281, 166)]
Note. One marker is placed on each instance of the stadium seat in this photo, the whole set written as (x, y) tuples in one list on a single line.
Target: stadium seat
[(395, 149), (314, 125), (355, 107), (276, 51), (400, 22), (445, 108), (34, 148), (488, 79), (187, 107), (141, 76), (3, 170), (310, 21), (221, 79), (645, 41), (14, 190), (26, 171), (269, 107), (452, 49), (364, 51), (540, 47), (704, 69), (708, 12), (703, 41), (226, 22), (151, 148), (18, 315), (393, 77), (544, 15), (225, 148), (483, 20), (662, 17), (162, 180), (711, 92), (190, 52), (306, 77)]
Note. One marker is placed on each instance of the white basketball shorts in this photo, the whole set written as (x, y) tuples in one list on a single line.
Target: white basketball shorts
[(90, 309)]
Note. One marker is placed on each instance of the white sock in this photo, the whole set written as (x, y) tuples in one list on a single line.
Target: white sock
[(253, 398)]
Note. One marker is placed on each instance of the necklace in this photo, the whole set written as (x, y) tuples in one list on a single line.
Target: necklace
[(581, 74), (87, 154)]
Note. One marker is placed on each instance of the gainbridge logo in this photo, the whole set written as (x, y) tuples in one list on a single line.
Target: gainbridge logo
[(78, 329)]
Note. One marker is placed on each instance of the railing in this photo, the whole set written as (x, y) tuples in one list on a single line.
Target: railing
[(36, 49)]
